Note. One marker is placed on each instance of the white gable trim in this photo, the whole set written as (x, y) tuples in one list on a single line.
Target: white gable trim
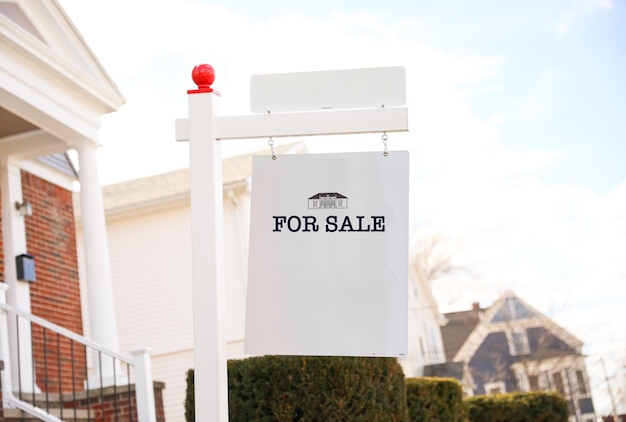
[(78, 90), (472, 343), (484, 328), (545, 321), (65, 44)]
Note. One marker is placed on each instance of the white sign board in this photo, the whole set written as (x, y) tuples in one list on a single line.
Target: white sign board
[(330, 89), (328, 262)]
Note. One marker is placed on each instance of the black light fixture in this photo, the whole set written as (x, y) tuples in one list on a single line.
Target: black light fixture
[(25, 265), (24, 207)]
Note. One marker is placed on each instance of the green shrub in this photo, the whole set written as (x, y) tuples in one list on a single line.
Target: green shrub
[(517, 407), (298, 388), (434, 400), (190, 415)]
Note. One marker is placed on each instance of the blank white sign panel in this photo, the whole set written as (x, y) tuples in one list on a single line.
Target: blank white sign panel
[(331, 89), (328, 261)]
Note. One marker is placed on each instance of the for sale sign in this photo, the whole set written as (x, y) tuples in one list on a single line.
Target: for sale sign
[(328, 259)]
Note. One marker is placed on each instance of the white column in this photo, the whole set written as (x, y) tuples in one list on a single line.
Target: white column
[(205, 167), (97, 266), (18, 294)]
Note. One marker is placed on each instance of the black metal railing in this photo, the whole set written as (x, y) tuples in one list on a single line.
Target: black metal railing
[(61, 375)]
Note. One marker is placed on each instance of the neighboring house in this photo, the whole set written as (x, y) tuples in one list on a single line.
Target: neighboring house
[(426, 346), (149, 232), (510, 346), (53, 92)]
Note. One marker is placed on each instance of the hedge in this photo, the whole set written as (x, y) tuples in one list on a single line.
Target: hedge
[(190, 414), (434, 400), (298, 388), (517, 407)]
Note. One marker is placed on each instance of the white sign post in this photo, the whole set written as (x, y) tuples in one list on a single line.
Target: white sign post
[(202, 129)]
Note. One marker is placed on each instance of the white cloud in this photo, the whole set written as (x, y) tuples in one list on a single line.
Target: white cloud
[(544, 241), (581, 8)]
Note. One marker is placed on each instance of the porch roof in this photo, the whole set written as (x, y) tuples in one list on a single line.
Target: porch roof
[(53, 89)]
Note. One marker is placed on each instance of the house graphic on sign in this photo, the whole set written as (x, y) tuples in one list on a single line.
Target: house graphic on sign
[(328, 200)]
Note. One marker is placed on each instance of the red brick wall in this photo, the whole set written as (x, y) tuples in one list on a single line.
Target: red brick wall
[(55, 296), (115, 406)]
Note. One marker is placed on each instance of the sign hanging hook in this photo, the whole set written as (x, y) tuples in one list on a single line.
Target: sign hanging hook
[(271, 144), (384, 138)]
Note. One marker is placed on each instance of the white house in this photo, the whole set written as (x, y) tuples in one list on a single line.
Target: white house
[(425, 321), (149, 232)]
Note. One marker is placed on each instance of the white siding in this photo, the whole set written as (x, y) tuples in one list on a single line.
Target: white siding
[(150, 254), (151, 271), (425, 344), (235, 273), (172, 369)]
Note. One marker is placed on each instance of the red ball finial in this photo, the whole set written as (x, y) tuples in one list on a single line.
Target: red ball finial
[(204, 76)]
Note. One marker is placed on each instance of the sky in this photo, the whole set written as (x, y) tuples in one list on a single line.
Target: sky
[(516, 132)]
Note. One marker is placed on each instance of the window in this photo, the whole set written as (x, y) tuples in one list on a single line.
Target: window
[(544, 380), (557, 380), (509, 309), (518, 342), (495, 388), (582, 385), (512, 310), (533, 381), (522, 381)]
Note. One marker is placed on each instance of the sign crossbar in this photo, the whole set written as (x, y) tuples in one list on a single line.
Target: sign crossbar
[(336, 122)]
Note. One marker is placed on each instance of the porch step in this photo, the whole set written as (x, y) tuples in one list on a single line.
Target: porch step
[(16, 415)]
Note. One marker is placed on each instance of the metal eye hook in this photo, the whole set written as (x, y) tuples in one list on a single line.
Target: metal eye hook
[(271, 144), (384, 138)]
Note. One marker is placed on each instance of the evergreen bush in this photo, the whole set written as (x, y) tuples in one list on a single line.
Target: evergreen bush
[(434, 400), (301, 388), (517, 407), (190, 415)]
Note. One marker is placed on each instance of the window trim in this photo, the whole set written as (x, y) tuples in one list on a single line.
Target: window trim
[(582, 384), (494, 385), (513, 346), (560, 385)]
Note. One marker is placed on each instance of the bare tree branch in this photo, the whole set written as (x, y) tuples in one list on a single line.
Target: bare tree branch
[(434, 254)]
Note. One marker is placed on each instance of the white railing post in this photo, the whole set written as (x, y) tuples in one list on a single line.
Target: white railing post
[(144, 386), (4, 347)]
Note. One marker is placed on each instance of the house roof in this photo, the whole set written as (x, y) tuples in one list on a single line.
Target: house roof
[(324, 194), (54, 88), (460, 325), (467, 329), (175, 184), (61, 163)]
